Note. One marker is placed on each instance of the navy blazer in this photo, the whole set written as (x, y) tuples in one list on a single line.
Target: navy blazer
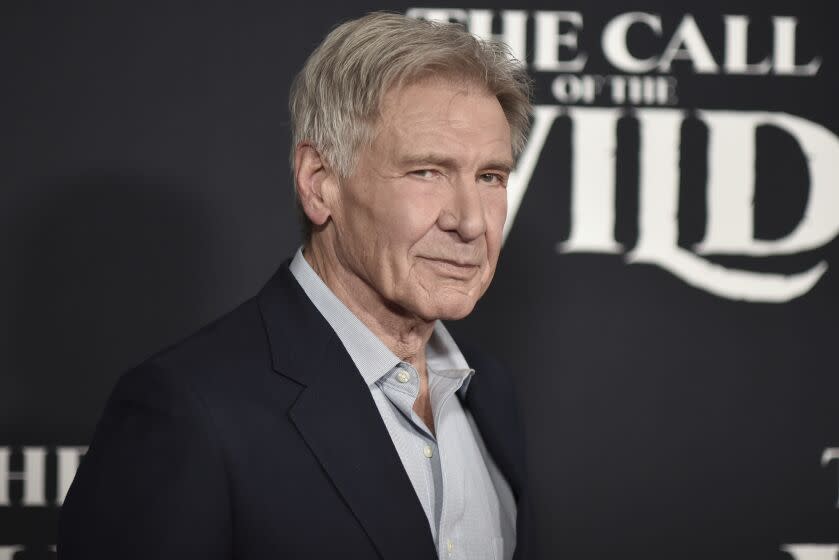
[(257, 438)]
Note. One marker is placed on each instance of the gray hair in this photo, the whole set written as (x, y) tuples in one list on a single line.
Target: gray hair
[(335, 99)]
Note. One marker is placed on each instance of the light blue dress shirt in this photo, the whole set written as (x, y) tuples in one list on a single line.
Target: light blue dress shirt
[(468, 502)]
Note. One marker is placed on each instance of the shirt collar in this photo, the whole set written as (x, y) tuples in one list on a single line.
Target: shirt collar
[(444, 357), (369, 354)]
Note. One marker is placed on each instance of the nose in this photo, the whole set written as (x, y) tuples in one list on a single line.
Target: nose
[(463, 212)]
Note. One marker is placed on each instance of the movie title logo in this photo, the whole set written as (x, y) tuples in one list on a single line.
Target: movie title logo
[(645, 51)]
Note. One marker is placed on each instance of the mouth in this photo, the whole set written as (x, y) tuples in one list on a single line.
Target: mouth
[(462, 270)]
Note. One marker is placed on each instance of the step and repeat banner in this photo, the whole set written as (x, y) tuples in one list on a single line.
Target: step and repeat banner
[(667, 296)]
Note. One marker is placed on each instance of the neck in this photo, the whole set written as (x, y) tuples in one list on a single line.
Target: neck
[(405, 334)]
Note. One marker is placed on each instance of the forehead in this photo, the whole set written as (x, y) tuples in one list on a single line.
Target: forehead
[(436, 110)]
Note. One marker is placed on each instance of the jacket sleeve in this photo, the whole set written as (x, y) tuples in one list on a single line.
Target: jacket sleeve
[(153, 483)]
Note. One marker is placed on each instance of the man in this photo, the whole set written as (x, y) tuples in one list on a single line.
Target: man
[(333, 416)]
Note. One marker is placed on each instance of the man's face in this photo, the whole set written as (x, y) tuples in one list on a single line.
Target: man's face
[(420, 219)]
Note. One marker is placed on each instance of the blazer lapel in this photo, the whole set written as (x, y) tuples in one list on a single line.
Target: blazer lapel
[(337, 417), (491, 402), (491, 412)]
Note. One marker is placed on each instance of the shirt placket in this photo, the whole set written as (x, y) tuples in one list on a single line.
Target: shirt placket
[(442, 386), (401, 386)]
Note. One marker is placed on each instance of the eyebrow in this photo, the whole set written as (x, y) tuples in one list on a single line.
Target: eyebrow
[(450, 163)]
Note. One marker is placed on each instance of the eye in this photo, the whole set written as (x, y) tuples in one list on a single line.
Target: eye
[(492, 178), (425, 173)]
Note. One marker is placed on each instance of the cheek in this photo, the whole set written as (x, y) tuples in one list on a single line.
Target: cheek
[(408, 218), (356, 218), (495, 207)]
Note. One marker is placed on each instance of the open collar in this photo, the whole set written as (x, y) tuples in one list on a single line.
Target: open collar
[(373, 359)]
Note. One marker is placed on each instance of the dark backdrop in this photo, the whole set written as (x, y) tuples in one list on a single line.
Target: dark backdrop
[(680, 399)]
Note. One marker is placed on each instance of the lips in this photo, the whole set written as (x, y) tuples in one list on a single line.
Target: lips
[(453, 268), (452, 262)]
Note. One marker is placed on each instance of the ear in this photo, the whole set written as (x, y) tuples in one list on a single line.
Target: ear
[(313, 179)]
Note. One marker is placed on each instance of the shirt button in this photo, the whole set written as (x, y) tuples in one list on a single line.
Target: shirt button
[(449, 546), (403, 376), (428, 452)]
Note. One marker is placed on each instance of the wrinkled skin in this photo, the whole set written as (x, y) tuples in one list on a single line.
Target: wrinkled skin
[(417, 226)]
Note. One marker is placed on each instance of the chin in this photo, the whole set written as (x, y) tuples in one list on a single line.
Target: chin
[(451, 309)]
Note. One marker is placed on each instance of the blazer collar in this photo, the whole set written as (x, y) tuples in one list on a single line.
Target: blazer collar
[(337, 417)]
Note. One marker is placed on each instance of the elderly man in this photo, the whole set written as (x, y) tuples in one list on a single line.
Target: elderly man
[(332, 415)]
